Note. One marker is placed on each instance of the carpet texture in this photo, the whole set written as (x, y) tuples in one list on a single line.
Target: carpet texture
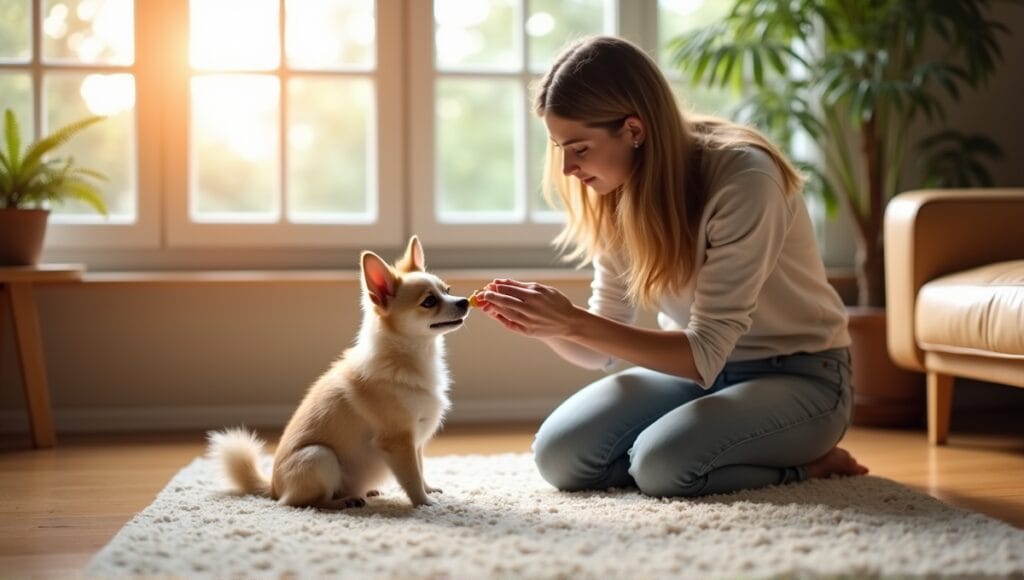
[(498, 518)]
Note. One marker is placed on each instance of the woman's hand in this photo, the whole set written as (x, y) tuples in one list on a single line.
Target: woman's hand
[(529, 308), (587, 339)]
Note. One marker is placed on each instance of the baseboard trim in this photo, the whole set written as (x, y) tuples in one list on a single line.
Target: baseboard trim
[(120, 419)]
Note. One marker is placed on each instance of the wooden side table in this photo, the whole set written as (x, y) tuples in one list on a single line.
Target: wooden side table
[(16, 286)]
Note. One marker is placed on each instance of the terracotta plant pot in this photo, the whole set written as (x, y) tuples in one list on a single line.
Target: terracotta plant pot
[(21, 236), (884, 395)]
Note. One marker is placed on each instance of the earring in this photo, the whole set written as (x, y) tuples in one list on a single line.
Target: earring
[(636, 144)]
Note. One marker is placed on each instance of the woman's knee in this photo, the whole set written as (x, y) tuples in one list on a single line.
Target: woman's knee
[(557, 456), (661, 470)]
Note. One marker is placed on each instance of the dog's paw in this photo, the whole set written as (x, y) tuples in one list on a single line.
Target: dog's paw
[(433, 489), (423, 501), (346, 502)]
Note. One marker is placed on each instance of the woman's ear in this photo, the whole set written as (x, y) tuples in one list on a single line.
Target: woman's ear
[(635, 130)]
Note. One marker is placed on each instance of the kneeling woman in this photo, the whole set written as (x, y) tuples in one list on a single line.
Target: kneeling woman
[(747, 382)]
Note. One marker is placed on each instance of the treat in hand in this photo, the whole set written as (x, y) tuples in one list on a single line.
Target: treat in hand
[(475, 301)]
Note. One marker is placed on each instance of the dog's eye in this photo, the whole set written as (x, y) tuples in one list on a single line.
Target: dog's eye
[(429, 302)]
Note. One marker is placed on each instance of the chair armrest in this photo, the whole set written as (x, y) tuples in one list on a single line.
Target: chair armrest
[(930, 233)]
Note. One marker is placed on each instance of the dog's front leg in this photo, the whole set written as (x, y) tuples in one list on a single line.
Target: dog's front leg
[(402, 457), (419, 461)]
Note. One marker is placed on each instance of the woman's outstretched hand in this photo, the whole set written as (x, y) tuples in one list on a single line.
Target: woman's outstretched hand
[(529, 308)]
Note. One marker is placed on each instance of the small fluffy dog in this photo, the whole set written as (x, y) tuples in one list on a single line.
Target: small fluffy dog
[(375, 407)]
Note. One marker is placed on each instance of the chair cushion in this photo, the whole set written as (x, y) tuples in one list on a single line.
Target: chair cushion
[(977, 311)]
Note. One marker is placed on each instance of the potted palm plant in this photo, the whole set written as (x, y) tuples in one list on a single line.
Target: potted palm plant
[(30, 183), (857, 77)]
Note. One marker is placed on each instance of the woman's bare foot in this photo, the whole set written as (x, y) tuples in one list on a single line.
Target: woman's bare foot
[(838, 461)]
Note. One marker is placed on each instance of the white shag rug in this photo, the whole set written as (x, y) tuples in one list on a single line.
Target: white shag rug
[(498, 519)]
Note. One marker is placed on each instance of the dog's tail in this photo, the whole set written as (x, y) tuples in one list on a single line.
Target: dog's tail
[(238, 451)]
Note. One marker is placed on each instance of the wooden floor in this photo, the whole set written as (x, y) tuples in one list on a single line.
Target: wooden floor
[(59, 506)]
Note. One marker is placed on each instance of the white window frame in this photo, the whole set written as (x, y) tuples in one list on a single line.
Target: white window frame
[(386, 154)]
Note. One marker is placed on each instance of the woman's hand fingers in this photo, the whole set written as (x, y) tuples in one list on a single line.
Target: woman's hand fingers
[(491, 311), (510, 282), (507, 282), (521, 292)]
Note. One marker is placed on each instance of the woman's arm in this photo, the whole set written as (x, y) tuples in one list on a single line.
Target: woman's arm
[(578, 354), (542, 312)]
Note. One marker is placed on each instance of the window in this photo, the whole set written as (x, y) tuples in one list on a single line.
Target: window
[(63, 60), (292, 108), (251, 130), (477, 161)]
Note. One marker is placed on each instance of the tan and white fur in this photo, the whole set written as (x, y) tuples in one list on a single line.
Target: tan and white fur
[(374, 409)]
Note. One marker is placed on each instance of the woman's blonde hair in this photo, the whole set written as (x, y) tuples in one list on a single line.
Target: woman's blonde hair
[(653, 220)]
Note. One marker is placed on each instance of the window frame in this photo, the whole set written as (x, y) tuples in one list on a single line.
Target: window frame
[(386, 152)]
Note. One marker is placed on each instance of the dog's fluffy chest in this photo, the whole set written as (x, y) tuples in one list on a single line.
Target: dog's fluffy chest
[(392, 387), (421, 389)]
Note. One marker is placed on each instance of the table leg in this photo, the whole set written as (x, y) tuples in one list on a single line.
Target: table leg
[(33, 372), (3, 314)]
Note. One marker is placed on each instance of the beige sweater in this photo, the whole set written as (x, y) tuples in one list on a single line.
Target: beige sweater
[(760, 288)]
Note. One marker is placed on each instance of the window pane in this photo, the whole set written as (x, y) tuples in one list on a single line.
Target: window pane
[(540, 210), (704, 100), (235, 148), (476, 34), (674, 18), (553, 23), (15, 30), (330, 136), (108, 146), (476, 175), (678, 16), (330, 34), (234, 34), (16, 94), (89, 31)]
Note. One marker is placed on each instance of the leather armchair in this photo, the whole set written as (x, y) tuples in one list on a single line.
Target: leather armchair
[(954, 266)]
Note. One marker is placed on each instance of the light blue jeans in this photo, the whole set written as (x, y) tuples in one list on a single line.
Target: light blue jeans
[(760, 423)]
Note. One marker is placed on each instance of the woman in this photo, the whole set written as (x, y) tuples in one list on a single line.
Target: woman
[(747, 381)]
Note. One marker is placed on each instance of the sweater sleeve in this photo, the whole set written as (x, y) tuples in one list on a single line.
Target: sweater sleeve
[(745, 231), (608, 296)]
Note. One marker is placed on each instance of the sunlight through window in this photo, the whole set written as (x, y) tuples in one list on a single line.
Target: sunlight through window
[(234, 34)]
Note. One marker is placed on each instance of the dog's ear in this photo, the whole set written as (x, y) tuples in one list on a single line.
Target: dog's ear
[(379, 279), (413, 260)]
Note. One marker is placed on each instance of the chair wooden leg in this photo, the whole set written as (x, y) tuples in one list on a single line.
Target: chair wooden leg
[(940, 403)]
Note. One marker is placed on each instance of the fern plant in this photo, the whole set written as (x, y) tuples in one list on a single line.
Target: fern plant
[(28, 179), (855, 75)]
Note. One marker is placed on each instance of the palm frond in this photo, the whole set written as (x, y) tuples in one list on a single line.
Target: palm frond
[(30, 179), (81, 191), (955, 159), (12, 137), (39, 148)]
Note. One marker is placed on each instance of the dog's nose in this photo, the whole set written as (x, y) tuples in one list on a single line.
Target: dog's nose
[(463, 304)]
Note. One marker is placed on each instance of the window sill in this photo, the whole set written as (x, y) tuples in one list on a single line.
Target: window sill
[(316, 276)]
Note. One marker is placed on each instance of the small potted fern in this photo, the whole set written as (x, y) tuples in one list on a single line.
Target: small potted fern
[(31, 183)]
